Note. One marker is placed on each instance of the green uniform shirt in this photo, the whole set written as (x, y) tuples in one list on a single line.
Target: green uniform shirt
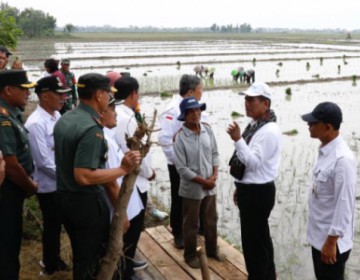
[(14, 136), (79, 143)]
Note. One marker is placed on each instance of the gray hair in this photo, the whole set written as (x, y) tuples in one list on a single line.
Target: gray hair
[(188, 82)]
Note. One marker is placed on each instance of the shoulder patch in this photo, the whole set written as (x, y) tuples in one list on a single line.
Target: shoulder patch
[(168, 117), (99, 135), (6, 123), (4, 111)]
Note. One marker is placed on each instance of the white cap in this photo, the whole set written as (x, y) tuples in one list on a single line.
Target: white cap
[(258, 89)]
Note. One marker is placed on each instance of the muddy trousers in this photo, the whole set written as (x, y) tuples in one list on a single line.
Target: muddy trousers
[(325, 271), (255, 202), (192, 208)]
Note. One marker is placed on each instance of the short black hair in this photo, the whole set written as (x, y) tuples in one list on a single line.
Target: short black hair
[(125, 86), (51, 64)]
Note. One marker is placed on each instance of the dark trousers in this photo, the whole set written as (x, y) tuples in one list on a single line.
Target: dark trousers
[(206, 208), (86, 218), (51, 232), (325, 271), (131, 238), (176, 202), (255, 203), (11, 208)]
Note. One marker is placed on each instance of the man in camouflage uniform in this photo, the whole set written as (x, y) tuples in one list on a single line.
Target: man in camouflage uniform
[(14, 144), (71, 97)]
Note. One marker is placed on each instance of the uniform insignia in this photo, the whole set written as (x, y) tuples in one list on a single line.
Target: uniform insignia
[(169, 118), (4, 111), (6, 123), (99, 135)]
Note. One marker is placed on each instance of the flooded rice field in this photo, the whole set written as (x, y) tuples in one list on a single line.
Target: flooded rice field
[(154, 65)]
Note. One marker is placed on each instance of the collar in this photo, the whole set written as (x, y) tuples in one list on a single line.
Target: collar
[(188, 132), (127, 110), (90, 110), (45, 114), (7, 109), (325, 150), (109, 132)]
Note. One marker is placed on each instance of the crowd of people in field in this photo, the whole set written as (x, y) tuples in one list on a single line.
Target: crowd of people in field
[(72, 153)]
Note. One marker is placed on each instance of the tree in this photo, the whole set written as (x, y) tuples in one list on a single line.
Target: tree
[(35, 23), (214, 27), (69, 28), (245, 28), (9, 32)]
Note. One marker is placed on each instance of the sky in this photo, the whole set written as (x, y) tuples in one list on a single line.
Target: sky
[(304, 14)]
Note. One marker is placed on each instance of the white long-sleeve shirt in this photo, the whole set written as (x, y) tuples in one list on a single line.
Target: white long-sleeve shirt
[(115, 156), (126, 125), (170, 125), (40, 125), (332, 196), (262, 156)]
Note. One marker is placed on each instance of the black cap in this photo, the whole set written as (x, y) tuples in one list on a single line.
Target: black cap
[(51, 84), (326, 112), (15, 78), (5, 50), (94, 81), (189, 103)]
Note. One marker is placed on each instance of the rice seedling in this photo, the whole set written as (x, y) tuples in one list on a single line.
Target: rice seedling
[(288, 91), (292, 132), (235, 114)]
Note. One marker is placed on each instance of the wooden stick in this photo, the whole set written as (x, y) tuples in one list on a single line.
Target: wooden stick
[(205, 273)]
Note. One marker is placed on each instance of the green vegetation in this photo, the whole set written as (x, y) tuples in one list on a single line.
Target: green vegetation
[(321, 60), (307, 66), (316, 76), (280, 64), (32, 219), (288, 91), (165, 94), (292, 132), (354, 77), (235, 114), (277, 73), (9, 32), (339, 68), (254, 61)]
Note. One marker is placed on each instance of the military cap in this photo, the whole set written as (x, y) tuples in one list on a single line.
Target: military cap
[(5, 50), (51, 84), (15, 78), (65, 61), (93, 81)]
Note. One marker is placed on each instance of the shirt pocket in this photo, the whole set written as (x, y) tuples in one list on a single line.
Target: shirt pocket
[(324, 186)]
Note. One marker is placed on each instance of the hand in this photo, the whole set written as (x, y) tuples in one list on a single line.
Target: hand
[(209, 183), (34, 188), (328, 251), (235, 197), (234, 131), (130, 161), (2, 168), (153, 176)]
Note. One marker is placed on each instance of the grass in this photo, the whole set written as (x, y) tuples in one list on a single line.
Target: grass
[(292, 132), (235, 114)]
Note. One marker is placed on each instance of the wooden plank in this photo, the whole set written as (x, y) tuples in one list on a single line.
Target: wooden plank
[(165, 239), (233, 255), (150, 272), (167, 267)]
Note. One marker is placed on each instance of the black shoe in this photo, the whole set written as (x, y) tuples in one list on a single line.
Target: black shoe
[(139, 265), (135, 277), (62, 266), (178, 242)]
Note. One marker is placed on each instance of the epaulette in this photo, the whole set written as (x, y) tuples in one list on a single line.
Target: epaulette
[(4, 112), (5, 123), (176, 134)]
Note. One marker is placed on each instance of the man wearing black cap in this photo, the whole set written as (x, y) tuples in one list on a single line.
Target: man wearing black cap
[(14, 144), (80, 156), (4, 57), (331, 195), (40, 125)]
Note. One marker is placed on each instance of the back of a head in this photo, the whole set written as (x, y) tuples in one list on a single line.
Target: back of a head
[(51, 64), (188, 82), (89, 83), (125, 86), (113, 76)]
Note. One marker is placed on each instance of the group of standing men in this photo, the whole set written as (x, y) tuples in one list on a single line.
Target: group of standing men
[(84, 188)]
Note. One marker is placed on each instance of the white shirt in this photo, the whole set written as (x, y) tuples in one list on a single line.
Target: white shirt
[(170, 125), (126, 125), (332, 196), (40, 125), (262, 156), (115, 155)]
